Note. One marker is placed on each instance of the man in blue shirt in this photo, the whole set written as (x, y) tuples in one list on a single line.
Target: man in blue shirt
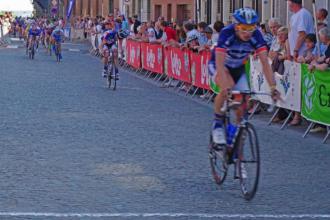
[(236, 43)]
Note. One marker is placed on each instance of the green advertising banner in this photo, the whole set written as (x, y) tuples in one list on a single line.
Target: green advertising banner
[(315, 95)]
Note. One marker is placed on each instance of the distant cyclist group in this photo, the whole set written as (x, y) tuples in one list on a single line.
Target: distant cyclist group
[(41, 31)]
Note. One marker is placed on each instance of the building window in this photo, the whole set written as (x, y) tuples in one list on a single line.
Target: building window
[(81, 7), (133, 7), (219, 4), (89, 7), (111, 6), (139, 7), (169, 12), (220, 10), (208, 11), (182, 13), (158, 11), (148, 9)]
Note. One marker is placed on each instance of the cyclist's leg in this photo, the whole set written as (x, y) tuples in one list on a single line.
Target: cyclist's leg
[(37, 42), (241, 85), (114, 50), (106, 54), (30, 42), (226, 82), (60, 49)]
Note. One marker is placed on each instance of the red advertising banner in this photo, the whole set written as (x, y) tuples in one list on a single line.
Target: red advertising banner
[(133, 53), (152, 57), (177, 63), (199, 69)]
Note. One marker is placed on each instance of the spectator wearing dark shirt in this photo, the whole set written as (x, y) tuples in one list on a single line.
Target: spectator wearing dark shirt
[(136, 24)]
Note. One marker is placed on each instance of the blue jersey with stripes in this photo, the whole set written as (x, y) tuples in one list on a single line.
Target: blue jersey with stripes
[(110, 36), (35, 32), (238, 51), (58, 35)]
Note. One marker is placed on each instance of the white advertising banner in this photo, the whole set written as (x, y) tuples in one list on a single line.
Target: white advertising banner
[(288, 84)]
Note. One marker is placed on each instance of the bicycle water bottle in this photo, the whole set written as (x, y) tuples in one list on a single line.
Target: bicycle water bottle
[(231, 131)]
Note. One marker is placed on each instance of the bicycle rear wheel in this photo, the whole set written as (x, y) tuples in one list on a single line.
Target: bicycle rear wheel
[(116, 75), (218, 162), (109, 78), (115, 83), (248, 161)]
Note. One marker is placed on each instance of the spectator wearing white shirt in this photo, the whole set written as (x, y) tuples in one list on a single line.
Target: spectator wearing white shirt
[(151, 32), (301, 24)]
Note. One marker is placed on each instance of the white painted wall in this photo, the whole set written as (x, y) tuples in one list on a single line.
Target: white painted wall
[(16, 5)]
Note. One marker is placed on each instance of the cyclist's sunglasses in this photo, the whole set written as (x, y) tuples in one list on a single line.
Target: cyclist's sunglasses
[(247, 28)]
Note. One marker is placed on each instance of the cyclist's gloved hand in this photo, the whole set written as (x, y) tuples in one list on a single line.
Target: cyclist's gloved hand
[(275, 94)]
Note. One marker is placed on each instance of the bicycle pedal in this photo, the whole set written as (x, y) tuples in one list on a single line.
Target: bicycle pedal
[(218, 147)]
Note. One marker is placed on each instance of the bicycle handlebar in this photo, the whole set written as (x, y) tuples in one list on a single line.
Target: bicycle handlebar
[(271, 107)]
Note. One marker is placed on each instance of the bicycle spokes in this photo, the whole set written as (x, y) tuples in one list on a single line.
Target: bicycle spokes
[(248, 161)]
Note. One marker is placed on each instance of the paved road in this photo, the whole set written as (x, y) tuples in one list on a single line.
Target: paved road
[(69, 145)]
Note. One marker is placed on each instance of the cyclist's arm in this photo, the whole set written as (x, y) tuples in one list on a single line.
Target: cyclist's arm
[(220, 56), (263, 56)]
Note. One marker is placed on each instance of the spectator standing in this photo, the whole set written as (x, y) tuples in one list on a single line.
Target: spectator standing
[(158, 30), (190, 30), (151, 32), (136, 24), (301, 24), (180, 34), (169, 32), (274, 24), (217, 26), (322, 15), (202, 39), (268, 37), (324, 62)]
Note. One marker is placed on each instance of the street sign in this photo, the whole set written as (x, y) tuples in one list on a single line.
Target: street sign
[(54, 11)]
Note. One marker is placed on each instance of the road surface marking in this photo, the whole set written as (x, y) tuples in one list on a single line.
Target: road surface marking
[(169, 215)]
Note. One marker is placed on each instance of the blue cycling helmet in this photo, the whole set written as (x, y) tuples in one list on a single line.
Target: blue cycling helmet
[(246, 16)]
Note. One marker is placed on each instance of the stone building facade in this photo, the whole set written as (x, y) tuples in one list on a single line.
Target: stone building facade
[(180, 10)]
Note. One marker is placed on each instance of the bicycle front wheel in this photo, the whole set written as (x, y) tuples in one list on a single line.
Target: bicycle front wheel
[(218, 163), (248, 161)]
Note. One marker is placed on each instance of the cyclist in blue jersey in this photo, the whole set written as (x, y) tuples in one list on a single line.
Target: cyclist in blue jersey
[(58, 34), (34, 34), (57, 38), (109, 43), (235, 44)]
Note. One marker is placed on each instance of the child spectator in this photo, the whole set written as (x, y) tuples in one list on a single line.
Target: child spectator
[(268, 37), (218, 25), (307, 56)]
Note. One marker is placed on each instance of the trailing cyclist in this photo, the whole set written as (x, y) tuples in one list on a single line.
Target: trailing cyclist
[(48, 42), (33, 36), (57, 38), (235, 44), (109, 45)]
